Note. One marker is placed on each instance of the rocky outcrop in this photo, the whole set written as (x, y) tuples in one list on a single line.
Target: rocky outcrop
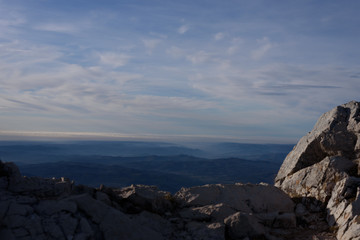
[(242, 210), (324, 165), (36, 208)]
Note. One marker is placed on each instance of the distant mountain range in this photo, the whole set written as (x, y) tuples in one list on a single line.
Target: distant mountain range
[(169, 166)]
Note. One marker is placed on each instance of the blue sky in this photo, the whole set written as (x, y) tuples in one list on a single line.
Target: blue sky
[(258, 71)]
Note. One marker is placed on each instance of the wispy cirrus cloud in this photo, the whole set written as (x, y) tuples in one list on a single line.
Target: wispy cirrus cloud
[(235, 45), (218, 36), (118, 68), (57, 27), (264, 46), (113, 59), (150, 44), (175, 52), (198, 57), (11, 19), (183, 29), (279, 85)]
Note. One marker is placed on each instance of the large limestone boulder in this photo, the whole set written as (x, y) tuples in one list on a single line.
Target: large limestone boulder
[(343, 208), (336, 133), (318, 180), (324, 165), (148, 198), (242, 210), (247, 198), (242, 225)]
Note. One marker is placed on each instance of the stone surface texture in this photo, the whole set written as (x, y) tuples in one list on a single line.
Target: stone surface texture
[(36, 208), (324, 166)]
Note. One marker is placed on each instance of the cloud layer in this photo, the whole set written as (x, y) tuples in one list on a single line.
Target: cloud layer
[(250, 71)]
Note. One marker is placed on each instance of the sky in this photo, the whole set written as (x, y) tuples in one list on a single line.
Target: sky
[(234, 70)]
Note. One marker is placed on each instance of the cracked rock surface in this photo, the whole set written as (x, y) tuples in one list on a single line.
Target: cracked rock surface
[(324, 165), (37, 208)]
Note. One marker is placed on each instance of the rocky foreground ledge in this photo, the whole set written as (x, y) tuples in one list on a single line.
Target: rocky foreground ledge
[(316, 197)]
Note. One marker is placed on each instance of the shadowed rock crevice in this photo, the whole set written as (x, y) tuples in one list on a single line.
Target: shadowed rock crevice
[(311, 155)]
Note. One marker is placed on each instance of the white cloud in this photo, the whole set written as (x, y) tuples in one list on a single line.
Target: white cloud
[(235, 45), (276, 86), (264, 46), (159, 35), (35, 79), (175, 52), (198, 57), (10, 16), (114, 60), (183, 29), (219, 36), (12, 19), (150, 44), (172, 105), (57, 27), (73, 80), (232, 49)]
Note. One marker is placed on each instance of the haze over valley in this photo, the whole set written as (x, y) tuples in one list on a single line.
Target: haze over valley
[(167, 165)]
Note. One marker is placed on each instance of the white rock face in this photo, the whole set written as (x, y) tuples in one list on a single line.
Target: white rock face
[(146, 197), (319, 179), (247, 210), (336, 133), (240, 197), (325, 165)]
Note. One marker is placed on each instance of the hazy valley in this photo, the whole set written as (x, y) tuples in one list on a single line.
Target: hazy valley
[(169, 166)]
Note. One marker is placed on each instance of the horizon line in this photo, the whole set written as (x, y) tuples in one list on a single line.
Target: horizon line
[(6, 135)]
